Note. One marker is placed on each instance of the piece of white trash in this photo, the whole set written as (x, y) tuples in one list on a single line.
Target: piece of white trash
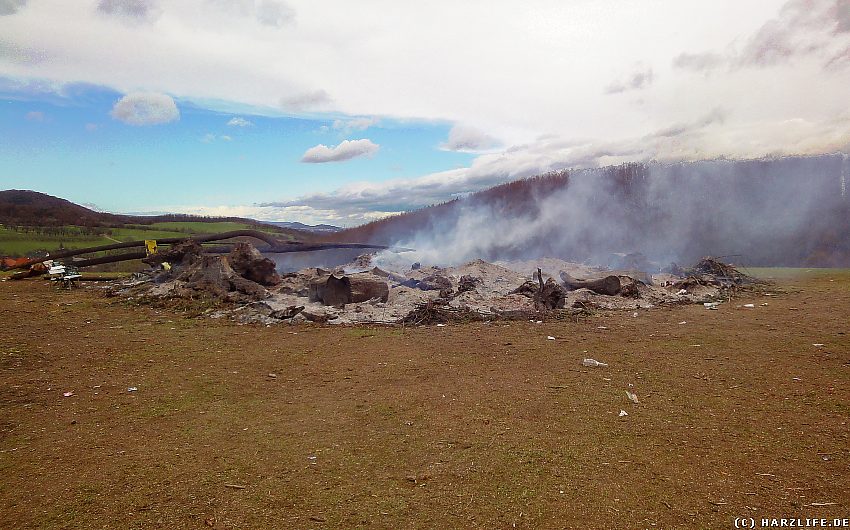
[(131, 389), (710, 305), (550, 337), (593, 363), (749, 306), (632, 397), (623, 413), (441, 325), (682, 291)]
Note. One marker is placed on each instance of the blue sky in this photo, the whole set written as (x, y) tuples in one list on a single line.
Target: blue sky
[(361, 110), (70, 146)]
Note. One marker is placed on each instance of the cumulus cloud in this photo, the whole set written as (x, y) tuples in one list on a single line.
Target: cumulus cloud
[(802, 28), (306, 101), (145, 108), (274, 13), (210, 138), (699, 62), (354, 124), (468, 139), (239, 122), (10, 7), (139, 10), (640, 78), (346, 150)]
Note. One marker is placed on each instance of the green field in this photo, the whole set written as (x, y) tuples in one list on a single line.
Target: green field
[(788, 273), (14, 243)]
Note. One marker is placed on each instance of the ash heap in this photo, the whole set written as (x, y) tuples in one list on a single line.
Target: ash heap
[(384, 288)]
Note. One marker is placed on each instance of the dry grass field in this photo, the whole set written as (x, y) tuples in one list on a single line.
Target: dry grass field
[(478, 425)]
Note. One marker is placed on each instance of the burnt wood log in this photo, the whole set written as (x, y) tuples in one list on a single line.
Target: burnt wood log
[(609, 285)]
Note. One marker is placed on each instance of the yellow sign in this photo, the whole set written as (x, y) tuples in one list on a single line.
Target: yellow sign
[(150, 246)]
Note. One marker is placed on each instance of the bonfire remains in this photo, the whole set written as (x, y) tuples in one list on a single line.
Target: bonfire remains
[(376, 289)]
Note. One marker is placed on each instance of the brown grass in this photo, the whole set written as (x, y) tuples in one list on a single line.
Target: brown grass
[(488, 425)]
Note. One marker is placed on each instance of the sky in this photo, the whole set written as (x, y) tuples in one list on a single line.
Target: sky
[(335, 112)]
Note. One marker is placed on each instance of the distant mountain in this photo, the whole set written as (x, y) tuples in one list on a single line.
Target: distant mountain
[(302, 226)]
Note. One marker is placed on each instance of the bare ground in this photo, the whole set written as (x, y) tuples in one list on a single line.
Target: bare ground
[(480, 425)]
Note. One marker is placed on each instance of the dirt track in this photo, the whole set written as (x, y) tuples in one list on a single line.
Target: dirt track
[(458, 426)]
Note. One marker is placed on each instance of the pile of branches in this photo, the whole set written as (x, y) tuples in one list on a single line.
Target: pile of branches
[(436, 313), (720, 272)]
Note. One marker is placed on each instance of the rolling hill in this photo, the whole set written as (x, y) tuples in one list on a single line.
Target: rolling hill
[(792, 211)]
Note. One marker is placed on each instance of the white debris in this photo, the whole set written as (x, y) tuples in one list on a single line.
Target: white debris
[(550, 337), (593, 363), (710, 305), (749, 306), (632, 397), (623, 413)]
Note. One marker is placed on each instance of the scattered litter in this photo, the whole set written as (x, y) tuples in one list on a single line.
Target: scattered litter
[(796, 379), (711, 305), (273, 375), (550, 337), (538, 322), (818, 345), (683, 322), (696, 345), (749, 306), (441, 325), (764, 304), (68, 394), (601, 327), (132, 389), (823, 503), (635, 314), (623, 413), (632, 397), (593, 363)]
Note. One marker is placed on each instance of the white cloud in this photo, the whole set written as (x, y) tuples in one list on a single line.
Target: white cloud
[(10, 7), (640, 77), (239, 122), (274, 13), (138, 10), (346, 150), (354, 124), (210, 138), (468, 139), (817, 30), (145, 109), (305, 102), (35, 116)]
